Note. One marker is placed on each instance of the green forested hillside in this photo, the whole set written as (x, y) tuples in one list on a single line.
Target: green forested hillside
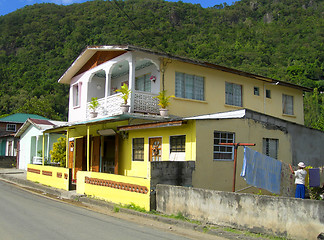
[(279, 39)]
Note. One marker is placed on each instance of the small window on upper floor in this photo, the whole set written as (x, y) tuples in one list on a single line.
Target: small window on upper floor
[(287, 104), (76, 90), (143, 83), (189, 86), (11, 127), (268, 93), (233, 94), (256, 91)]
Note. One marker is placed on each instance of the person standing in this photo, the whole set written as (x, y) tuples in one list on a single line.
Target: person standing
[(300, 176)]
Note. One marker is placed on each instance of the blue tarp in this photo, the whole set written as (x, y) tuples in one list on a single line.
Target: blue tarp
[(261, 171)]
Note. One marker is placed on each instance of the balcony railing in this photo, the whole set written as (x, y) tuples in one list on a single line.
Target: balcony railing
[(110, 106), (146, 103)]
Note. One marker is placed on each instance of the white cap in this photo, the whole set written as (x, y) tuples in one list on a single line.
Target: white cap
[(301, 164)]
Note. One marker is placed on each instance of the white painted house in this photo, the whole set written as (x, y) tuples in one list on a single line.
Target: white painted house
[(31, 141)]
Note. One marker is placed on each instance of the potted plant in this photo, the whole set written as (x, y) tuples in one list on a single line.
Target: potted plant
[(94, 104), (125, 95), (164, 102)]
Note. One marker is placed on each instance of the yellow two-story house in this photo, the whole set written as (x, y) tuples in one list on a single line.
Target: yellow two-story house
[(121, 156)]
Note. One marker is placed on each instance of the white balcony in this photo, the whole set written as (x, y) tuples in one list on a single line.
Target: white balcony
[(110, 106)]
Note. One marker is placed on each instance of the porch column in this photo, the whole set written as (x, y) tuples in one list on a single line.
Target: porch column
[(67, 149), (36, 148), (48, 146), (131, 80), (43, 148), (116, 153), (88, 148)]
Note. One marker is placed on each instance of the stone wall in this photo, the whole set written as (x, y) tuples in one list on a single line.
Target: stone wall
[(288, 217), (7, 162)]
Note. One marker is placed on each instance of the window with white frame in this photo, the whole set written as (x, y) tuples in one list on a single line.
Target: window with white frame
[(76, 89), (223, 152), (138, 149), (11, 127), (189, 86), (143, 83), (287, 104), (178, 148), (270, 147), (233, 94)]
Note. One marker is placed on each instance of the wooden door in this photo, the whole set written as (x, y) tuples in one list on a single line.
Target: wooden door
[(80, 160), (71, 154), (95, 158), (155, 149)]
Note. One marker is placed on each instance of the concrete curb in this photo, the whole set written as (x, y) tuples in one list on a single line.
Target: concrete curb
[(11, 178)]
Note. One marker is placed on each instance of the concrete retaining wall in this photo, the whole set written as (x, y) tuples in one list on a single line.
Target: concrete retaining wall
[(177, 173), (289, 217), (7, 162)]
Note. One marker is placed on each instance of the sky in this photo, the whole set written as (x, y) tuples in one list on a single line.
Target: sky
[(7, 6)]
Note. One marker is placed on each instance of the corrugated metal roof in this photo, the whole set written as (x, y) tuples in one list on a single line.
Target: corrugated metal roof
[(21, 117), (40, 124), (221, 115)]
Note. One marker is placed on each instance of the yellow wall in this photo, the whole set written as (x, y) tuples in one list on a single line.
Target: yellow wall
[(142, 168), (218, 175), (115, 195), (215, 94), (54, 180)]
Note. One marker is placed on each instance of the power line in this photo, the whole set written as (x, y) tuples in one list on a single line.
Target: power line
[(146, 38)]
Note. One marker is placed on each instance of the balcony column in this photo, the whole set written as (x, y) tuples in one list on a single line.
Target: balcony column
[(132, 64), (107, 88)]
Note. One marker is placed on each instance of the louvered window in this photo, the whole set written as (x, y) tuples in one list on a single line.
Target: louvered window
[(270, 147), (233, 94), (287, 104), (189, 86)]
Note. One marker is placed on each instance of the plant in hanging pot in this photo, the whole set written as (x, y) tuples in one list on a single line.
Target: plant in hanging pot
[(125, 95), (164, 102), (94, 104)]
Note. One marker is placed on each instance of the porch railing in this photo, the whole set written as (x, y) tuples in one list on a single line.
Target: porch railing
[(110, 106)]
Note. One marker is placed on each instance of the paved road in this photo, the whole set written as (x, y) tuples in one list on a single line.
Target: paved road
[(24, 215)]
